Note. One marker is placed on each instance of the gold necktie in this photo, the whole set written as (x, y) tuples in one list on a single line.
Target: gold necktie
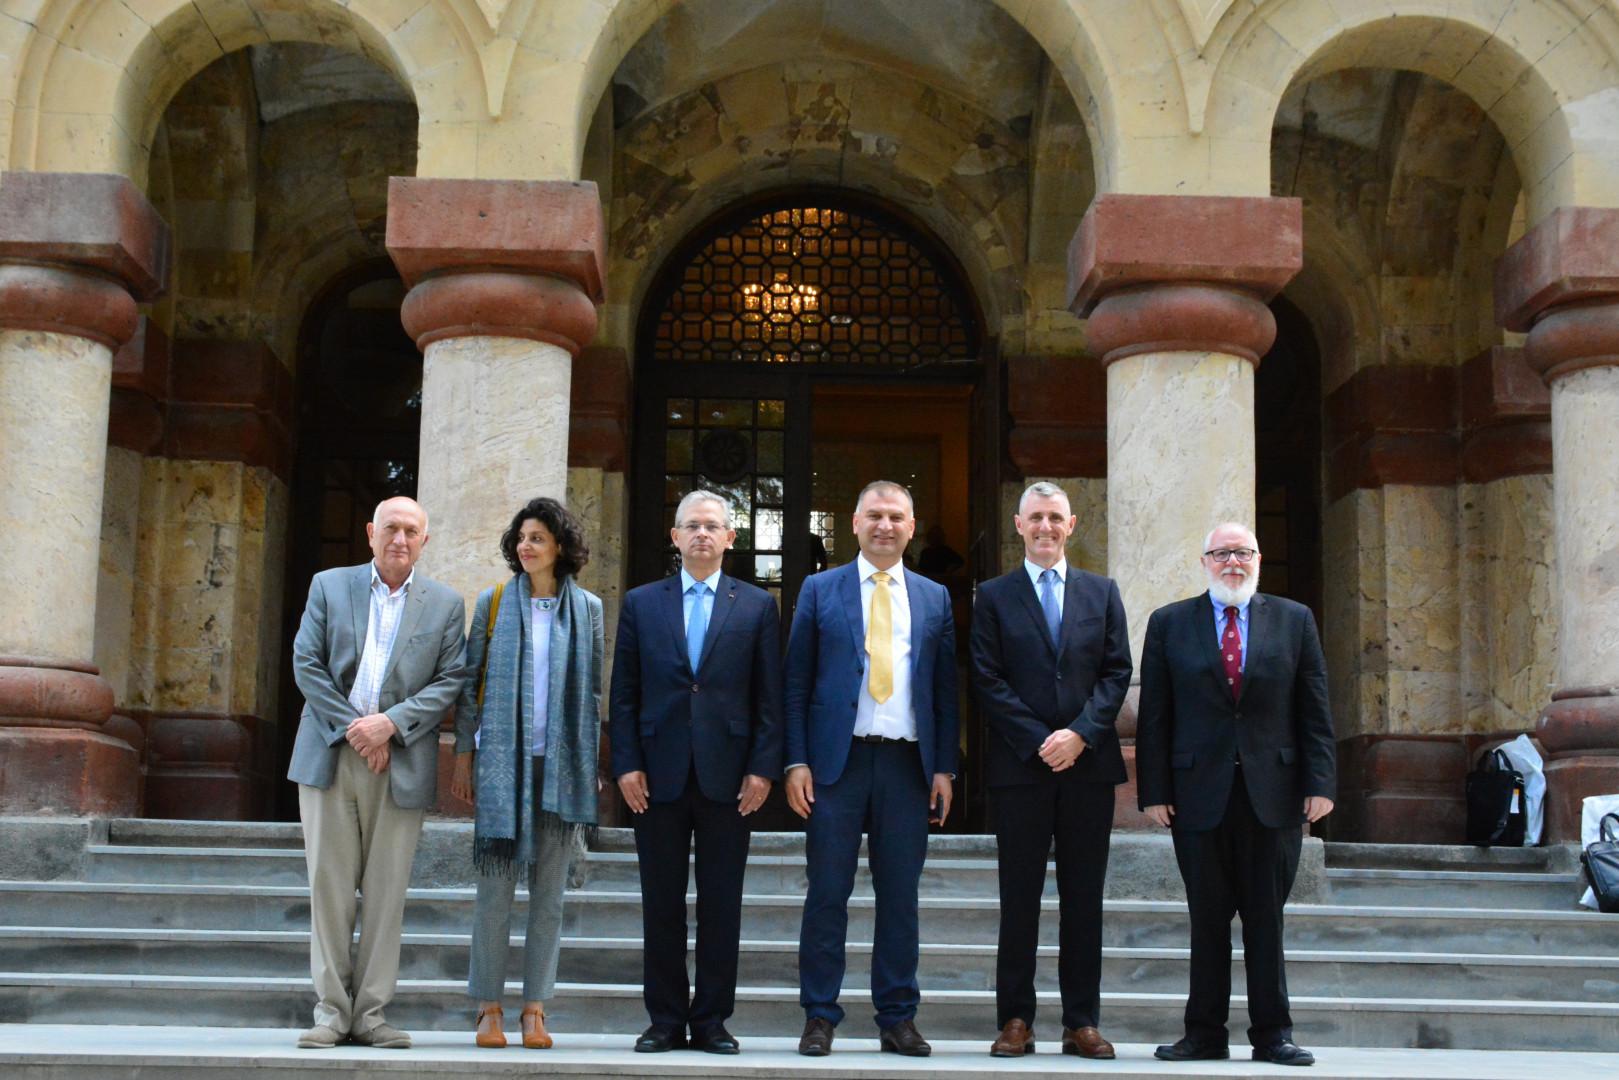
[(880, 640)]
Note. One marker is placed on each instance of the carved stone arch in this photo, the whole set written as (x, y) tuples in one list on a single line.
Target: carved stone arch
[(95, 78), (1547, 79)]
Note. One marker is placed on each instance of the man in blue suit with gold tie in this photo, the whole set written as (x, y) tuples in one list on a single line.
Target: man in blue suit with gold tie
[(872, 723)]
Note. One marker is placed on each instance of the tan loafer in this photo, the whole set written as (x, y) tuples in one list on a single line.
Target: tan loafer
[(1017, 1039), (1087, 1042)]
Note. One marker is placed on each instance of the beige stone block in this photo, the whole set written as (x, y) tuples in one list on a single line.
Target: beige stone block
[(1303, 25), (1164, 410), (109, 32), (85, 83), (199, 616), (431, 40), (447, 148), (80, 142), (54, 390), (204, 491), (1584, 404), (115, 586), (142, 685), (1409, 298), (236, 24), (1167, 165), (200, 553), (1423, 627), (192, 680), (1532, 30), (1424, 703), (479, 455)]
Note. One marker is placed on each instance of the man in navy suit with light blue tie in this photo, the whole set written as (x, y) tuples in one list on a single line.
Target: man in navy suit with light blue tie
[(872, 723), (695, 723)]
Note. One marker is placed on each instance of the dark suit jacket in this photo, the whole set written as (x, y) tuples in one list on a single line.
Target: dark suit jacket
[(1189, 730), (826, 661), (725, 718), (1028, 686)]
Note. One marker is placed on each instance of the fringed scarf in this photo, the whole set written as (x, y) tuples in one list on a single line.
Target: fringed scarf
[(503, 840)]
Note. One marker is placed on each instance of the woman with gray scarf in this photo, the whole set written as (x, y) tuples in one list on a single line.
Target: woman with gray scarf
[(527, 725)]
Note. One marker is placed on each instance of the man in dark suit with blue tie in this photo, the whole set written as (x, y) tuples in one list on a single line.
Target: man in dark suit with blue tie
[(695, 724), (1234, 752), (872, 723), (1051, 666)]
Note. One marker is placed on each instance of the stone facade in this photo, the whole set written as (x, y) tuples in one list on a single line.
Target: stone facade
[(187, 430)]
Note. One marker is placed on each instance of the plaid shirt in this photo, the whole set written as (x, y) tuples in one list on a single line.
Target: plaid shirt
[(380, 631)]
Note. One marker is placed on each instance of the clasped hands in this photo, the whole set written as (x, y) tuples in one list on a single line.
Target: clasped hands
[(369, 735), (752, 796)]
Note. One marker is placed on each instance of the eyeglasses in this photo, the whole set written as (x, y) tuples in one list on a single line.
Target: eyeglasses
[(692, 528), (1242, 555)]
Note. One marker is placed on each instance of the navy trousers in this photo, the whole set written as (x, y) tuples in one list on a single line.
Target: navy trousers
[(883, 793), (663, 842)]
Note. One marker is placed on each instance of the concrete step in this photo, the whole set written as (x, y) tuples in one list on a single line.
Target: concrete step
[(77, 1052), (600, 1008), (941, 877), (1536, 890), (617, 914), (1323, 973)]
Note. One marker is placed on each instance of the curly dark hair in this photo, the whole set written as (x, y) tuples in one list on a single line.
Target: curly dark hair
[(567, 529)]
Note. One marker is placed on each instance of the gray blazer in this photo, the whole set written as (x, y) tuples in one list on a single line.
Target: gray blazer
[(422, 680)]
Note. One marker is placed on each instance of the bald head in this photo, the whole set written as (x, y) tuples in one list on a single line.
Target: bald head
[(397, 530)]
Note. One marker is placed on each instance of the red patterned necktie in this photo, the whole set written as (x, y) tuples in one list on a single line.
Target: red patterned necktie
[(1231, 652)]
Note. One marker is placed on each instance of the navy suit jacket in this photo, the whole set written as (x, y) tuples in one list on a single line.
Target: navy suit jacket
[(725, 717), (1190, 730), (1029, 686), (826, 663)]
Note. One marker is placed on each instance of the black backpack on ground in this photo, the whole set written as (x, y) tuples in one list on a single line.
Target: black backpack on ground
[(1601, 861), (1496, 813)]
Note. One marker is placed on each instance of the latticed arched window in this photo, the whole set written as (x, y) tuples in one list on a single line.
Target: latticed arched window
[(810, 282)]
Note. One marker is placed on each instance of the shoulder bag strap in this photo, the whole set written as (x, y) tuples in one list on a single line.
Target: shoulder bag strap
[(488, 639)]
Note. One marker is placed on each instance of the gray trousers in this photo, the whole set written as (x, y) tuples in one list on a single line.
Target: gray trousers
[(492, 920)]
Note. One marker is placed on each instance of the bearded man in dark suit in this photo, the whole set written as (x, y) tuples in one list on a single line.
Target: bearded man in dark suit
[(1234, 752)]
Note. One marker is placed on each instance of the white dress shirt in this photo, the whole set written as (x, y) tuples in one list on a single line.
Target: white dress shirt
[(1034, 571), (1242, 628), (541, 611), (381, 628), (894, 718)]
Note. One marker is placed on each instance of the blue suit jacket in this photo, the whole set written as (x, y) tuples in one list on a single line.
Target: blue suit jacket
[(725, 717), (826, 663)]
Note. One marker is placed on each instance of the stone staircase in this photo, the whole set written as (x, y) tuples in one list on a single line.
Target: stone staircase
[(206, 924)]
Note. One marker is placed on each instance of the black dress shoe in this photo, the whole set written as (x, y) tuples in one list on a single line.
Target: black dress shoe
[(903, 1038), (714, 1040), (1284, 1052), (817, 1038), (659, 1038), (1190, 1049)]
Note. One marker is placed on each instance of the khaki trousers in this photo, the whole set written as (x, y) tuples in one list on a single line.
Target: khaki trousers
[(355, 838)]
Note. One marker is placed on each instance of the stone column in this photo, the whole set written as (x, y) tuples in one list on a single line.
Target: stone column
[(1174, 289), (1560, 283), (504, 276), (77, 251)]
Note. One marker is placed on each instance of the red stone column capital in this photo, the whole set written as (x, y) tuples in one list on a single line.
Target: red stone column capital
[(78, 251), (1182, 273), (1559, 283), (498, 258)]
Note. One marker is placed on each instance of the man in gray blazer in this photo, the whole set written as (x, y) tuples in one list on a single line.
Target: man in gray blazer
[(379, 659)]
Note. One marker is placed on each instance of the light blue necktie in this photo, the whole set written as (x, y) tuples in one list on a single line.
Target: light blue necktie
[(1048, 602), (697, 625)]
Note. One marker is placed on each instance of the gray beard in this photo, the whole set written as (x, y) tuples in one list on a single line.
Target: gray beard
[(1224, 596)]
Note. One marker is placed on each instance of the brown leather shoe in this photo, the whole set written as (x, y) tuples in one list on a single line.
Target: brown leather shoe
[(1017, 1039), (1087, 1042), (817, 1038), (903, 1038)]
